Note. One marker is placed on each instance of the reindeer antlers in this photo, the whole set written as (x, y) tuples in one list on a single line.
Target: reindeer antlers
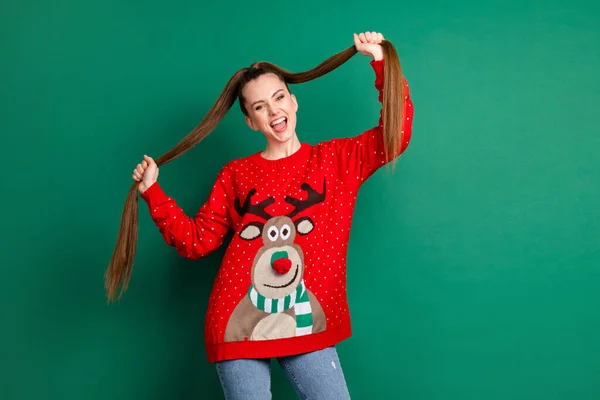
[(249, 208), (313, 198), (300, 205)]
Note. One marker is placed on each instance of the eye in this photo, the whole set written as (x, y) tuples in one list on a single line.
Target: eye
[(273, 233), (258, 108), (280, 97), (285, 232)]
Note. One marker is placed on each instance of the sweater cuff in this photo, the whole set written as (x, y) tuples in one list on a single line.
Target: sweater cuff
[(154, 195), (377, 66)]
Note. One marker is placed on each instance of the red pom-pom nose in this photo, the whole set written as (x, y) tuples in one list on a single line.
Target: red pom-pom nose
[(282, 265)]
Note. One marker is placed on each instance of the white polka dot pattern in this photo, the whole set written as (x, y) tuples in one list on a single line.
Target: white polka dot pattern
[(344, 163)]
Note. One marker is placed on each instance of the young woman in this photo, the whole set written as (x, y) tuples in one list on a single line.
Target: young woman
[(281, 290)]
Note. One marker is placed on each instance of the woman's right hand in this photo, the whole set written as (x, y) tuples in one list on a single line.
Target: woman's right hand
[(146, 173)]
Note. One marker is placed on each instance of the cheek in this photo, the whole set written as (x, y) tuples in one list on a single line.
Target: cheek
[(292, 118), (291, 105), (260, 120)]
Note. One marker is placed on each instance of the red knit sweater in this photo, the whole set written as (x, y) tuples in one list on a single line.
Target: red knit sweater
[(281, 288)]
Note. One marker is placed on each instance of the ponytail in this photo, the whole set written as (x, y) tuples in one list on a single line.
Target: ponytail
[(120, 267), (394, 99)]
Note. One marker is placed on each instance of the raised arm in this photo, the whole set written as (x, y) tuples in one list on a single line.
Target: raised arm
[(358, 157)]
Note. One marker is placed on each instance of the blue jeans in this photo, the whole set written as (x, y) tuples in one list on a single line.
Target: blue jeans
[(315, 375)]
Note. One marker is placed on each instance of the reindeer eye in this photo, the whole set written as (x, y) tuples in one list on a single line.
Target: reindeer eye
[(273, 233), (285, 231)]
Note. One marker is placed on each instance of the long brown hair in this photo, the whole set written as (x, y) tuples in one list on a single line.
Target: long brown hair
[(119, 270)]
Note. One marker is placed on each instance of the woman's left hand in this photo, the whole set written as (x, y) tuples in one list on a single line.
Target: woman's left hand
[(368, 43)]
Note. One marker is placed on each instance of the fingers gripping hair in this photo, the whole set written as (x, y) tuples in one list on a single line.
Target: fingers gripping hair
[(119, 270)]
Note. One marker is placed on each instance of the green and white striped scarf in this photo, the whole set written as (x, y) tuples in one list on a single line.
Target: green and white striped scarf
[(297, 299)]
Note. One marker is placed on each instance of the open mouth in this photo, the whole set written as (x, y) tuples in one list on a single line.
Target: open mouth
[(287, 284), (279, 125)]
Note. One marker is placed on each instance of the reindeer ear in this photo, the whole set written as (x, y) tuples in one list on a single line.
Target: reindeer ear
[(252, 231), (304, 225)]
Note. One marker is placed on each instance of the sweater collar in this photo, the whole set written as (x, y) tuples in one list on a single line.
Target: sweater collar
[(296, 158)]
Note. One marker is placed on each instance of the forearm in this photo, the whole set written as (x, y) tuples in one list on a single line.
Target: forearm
[(192, 237)]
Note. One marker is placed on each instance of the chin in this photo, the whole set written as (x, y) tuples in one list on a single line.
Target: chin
[(286, 138), (283, 136)]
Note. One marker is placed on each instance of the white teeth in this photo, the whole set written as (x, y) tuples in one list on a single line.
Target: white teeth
[(278, 121)]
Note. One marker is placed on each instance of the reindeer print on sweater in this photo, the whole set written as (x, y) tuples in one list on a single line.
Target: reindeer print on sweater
[(278, 304), (281, 287)]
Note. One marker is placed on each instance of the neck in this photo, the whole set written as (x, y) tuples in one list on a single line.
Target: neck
[(276, 150)]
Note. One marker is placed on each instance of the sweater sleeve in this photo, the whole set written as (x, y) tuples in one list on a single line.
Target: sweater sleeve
[(360, 156), (193, 237)]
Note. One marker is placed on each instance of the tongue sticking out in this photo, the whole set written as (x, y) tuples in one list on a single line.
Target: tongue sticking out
[(280, 127)]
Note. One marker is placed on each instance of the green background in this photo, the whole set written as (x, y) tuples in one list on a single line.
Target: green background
[(473, 270)]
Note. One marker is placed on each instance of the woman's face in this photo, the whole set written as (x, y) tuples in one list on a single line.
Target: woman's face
[(271, 108)]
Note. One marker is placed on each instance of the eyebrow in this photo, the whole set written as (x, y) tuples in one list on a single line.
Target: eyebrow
[(260, 101)]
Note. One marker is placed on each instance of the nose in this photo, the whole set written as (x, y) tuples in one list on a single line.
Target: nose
[(280, 262)]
